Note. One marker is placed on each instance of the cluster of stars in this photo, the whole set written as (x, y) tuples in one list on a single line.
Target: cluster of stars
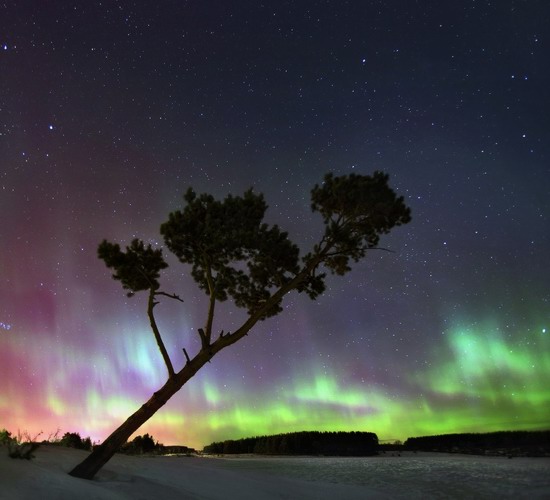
[(111, 113)]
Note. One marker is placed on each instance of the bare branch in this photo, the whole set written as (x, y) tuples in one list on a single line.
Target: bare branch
[(170, 295), (186, 355), (204, 341), (380, 248), (212, 301), (343, 252), (156, 332)]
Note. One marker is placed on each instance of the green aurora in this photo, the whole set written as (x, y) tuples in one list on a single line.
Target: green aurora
[(483, 383)]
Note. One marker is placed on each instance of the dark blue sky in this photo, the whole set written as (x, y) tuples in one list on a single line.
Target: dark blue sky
[(110, 110)]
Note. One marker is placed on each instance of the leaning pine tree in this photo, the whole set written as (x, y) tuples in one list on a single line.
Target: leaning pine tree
[(235, 255)]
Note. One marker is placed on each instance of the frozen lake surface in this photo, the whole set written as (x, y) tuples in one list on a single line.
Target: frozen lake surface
[(416, 475)]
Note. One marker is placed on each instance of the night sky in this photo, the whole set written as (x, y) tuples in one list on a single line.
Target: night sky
[(110, 110)]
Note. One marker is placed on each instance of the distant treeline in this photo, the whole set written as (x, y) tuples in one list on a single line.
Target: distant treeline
[(146, 444), (301, 443), (533, 443)]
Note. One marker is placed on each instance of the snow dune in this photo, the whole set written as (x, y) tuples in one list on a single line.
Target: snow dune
[(422, 475), (129, 477)]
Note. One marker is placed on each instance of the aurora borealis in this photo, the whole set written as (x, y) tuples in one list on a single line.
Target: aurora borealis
[(111, 110)]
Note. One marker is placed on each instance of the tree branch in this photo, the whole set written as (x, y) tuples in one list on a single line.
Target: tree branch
[(343, 252), (156, 332), (380, 248), (230, 338), (170, 295), (186, 355), (211, 304), (204, 340), (323, 251)]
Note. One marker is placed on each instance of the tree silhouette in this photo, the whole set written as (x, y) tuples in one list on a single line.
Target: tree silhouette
[(235, 255)]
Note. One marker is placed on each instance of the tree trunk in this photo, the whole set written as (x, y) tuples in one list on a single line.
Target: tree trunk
[(89, 467)]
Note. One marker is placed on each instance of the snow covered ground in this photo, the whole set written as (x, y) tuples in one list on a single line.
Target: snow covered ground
[(419, 475)]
